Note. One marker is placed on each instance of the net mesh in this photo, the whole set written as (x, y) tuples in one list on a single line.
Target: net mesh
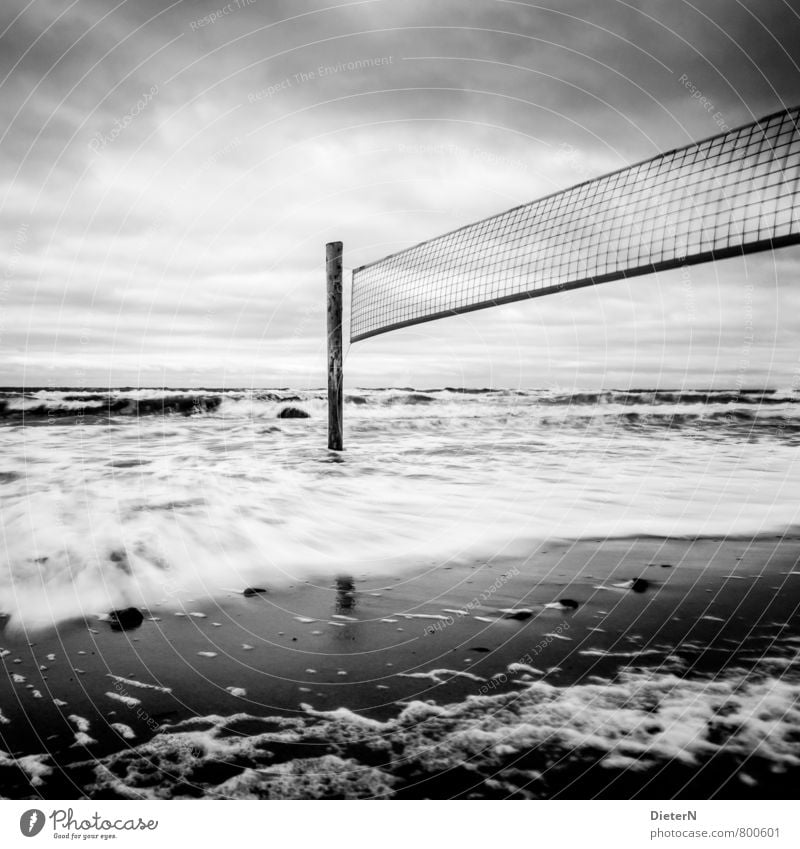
[(730, 194)]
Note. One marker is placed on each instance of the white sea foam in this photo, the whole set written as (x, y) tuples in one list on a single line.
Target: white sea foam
[(82, 739), (33, 766), (132, 682), (128, 701), (440, 675), (524, 667), (436, 616), (643, 721), (80, 722)]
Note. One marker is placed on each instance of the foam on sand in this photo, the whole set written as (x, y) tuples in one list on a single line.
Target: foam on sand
[(438, 676), (132, 682), (524, 667), (524, 744), (124, 731), (33, 766), (80, 722), (82, 739), (129, 701)]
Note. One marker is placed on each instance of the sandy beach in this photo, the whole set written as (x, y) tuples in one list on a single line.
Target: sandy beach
[(554, 675)]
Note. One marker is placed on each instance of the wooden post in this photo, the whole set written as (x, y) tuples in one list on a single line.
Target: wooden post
[(333, 257)]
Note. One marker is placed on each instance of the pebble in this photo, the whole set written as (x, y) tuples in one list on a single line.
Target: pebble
[(122, 620)]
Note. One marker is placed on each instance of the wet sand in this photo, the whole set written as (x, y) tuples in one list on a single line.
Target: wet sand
[(570, 616)]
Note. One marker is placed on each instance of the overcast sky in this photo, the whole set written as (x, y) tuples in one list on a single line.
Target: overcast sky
[(172, 171)]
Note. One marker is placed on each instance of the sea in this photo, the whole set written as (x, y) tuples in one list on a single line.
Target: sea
[(117, 498), (108, 496)]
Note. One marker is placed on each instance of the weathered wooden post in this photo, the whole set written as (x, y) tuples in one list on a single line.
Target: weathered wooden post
[(333, 257)]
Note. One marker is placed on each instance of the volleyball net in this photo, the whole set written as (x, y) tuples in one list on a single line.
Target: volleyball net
[(730, 194)]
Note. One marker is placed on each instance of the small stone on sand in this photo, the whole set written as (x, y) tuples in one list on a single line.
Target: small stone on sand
[(124, 619)]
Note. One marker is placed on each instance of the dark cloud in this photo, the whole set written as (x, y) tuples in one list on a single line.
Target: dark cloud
[(169, 182)]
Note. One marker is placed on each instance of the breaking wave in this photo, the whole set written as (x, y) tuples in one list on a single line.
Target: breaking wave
[(34, 405)]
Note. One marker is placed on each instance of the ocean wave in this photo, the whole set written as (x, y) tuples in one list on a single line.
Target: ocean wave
[(54, 405), (41, 403), (655, 397)]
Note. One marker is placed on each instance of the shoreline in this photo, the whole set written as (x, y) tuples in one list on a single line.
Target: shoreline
[(561, 620)]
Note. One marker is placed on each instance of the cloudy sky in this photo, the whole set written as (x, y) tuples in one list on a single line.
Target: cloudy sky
[(171, 173)]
